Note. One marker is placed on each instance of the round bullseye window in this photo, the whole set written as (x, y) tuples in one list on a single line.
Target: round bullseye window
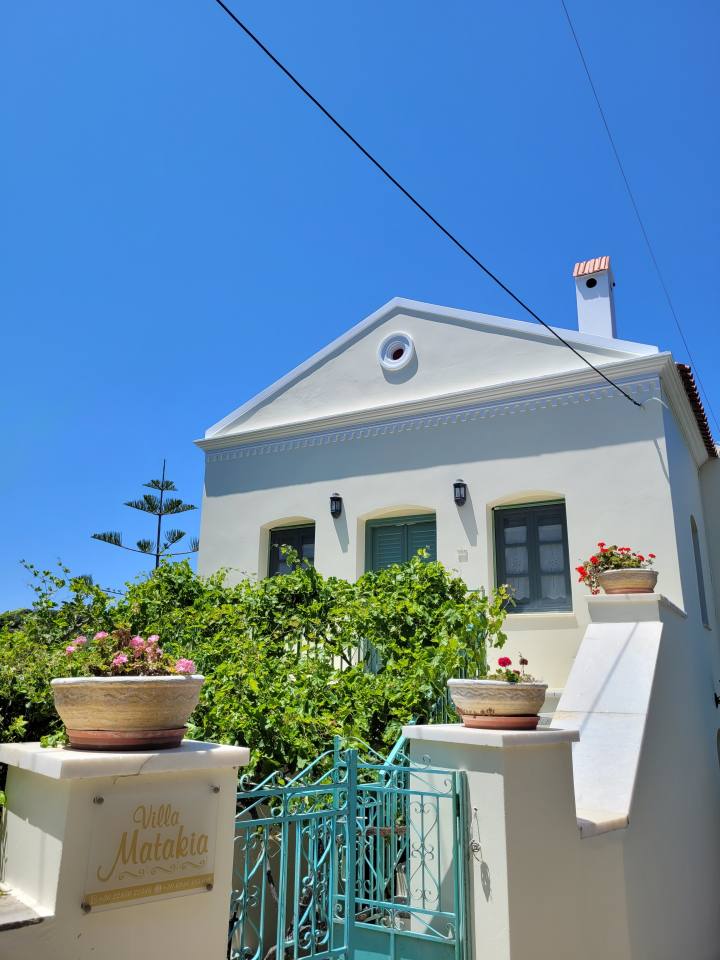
[(396, 351)]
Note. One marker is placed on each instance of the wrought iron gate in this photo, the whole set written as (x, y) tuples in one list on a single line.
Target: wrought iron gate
[(353, 858)]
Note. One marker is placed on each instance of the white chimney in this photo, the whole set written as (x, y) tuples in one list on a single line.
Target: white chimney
[(594, 289)]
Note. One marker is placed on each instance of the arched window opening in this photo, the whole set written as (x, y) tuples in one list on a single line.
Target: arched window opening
[(398, 539), (699, 572), (299, 538)]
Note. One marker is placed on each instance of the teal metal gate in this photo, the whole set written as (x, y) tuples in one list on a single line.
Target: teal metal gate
[(353, 858)]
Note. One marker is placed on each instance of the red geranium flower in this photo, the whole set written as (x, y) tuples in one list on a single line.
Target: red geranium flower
[(593, 559), (652, 556), (504, 661), (601, 543)]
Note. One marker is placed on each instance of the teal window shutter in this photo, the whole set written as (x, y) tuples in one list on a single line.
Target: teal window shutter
[(422, 536), (398, 539), (387, 546)]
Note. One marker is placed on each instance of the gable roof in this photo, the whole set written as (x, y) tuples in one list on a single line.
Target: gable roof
[(693, 395), (611, 350)]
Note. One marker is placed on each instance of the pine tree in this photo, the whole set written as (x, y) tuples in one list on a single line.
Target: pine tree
[(158, 506)]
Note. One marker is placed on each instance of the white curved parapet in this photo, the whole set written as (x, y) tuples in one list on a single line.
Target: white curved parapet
[(607, 699)]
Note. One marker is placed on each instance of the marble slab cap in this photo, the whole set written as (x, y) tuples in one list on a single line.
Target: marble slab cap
[(63, 763), (457, 733)]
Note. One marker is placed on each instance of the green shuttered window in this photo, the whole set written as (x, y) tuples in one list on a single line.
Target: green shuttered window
[(398, 539), (531, 556)]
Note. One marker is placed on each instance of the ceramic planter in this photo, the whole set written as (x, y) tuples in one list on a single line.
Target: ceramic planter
[(496, 704), (628, 580), (126, 713)]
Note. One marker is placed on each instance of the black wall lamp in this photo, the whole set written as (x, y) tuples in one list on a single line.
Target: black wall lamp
[(335, 505), (459, 492)]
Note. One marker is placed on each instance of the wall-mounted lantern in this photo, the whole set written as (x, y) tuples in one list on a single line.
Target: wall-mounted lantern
[(459, 492), (335, 505)]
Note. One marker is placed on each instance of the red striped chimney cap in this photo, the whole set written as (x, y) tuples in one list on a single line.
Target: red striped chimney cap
[(596, 265)]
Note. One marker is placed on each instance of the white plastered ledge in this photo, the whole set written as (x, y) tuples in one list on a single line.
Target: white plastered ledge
[(500, 739), (607, 699), (63, 763)]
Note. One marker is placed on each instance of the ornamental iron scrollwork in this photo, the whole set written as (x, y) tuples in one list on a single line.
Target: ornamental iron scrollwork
[(352, 844)]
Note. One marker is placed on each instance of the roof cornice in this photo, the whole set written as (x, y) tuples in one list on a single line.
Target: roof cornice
[(540, 389), (679, 402)]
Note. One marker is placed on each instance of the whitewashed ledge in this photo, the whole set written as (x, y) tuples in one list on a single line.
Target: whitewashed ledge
[(14, 913), (63, 763), (594, 822), (466, 736)]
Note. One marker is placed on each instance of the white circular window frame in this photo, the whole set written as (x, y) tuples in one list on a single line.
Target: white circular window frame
[(390, 345)]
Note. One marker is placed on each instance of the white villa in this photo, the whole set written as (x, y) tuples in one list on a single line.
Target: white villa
[(496, 446), (594, 837), (552, 459)]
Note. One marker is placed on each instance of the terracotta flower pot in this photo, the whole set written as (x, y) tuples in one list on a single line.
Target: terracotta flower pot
[(628, 580), (126, 713), (496, 704)]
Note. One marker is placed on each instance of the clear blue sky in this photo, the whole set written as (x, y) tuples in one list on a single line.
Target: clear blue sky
[(180, 227)]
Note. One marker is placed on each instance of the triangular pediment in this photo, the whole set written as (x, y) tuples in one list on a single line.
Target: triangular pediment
[(453, 351)]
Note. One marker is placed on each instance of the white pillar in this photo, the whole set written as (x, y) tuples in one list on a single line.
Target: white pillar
[(523, 842), (118, 855)]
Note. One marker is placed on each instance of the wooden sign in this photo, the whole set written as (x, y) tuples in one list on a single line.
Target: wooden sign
[(151, 842)]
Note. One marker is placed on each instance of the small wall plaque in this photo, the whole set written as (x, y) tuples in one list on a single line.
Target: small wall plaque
[(151, 843)]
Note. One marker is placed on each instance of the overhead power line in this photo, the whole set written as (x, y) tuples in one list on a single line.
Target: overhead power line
[(635, 207), (386, 173)]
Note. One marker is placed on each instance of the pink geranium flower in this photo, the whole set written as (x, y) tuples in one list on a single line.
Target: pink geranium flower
[(184, 665), (69, 650), (101, 634), (79, 641), (153, 638), (119, 660), (137, 643)]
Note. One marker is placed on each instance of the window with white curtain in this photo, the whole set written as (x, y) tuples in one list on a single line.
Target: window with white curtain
[(531, 556)]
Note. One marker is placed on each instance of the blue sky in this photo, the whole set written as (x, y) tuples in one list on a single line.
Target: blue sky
[(180, 227)]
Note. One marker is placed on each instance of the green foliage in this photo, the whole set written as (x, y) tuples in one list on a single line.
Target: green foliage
[(286, 660)]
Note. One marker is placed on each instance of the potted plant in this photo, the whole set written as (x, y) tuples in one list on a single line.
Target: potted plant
[(507, 699), (125, 693), (618, 570)]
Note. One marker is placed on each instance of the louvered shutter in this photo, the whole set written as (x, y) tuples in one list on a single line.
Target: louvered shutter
[(387, 546), (421, 536)]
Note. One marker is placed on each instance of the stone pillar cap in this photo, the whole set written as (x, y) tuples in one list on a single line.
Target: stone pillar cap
[(502, 739), (63, 763)]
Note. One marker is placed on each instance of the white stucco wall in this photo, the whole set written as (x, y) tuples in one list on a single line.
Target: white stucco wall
[(604, 457), (646, 891), (48, 845)]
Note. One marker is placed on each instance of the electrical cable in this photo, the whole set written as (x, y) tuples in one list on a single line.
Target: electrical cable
[(256, 40), (637, 210)]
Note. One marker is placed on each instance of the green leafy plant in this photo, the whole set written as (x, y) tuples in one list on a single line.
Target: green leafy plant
[(289, 661), (610, 558), (507, 673), (122, 654)]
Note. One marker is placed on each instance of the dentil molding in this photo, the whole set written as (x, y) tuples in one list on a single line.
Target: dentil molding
[(639, 389)]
